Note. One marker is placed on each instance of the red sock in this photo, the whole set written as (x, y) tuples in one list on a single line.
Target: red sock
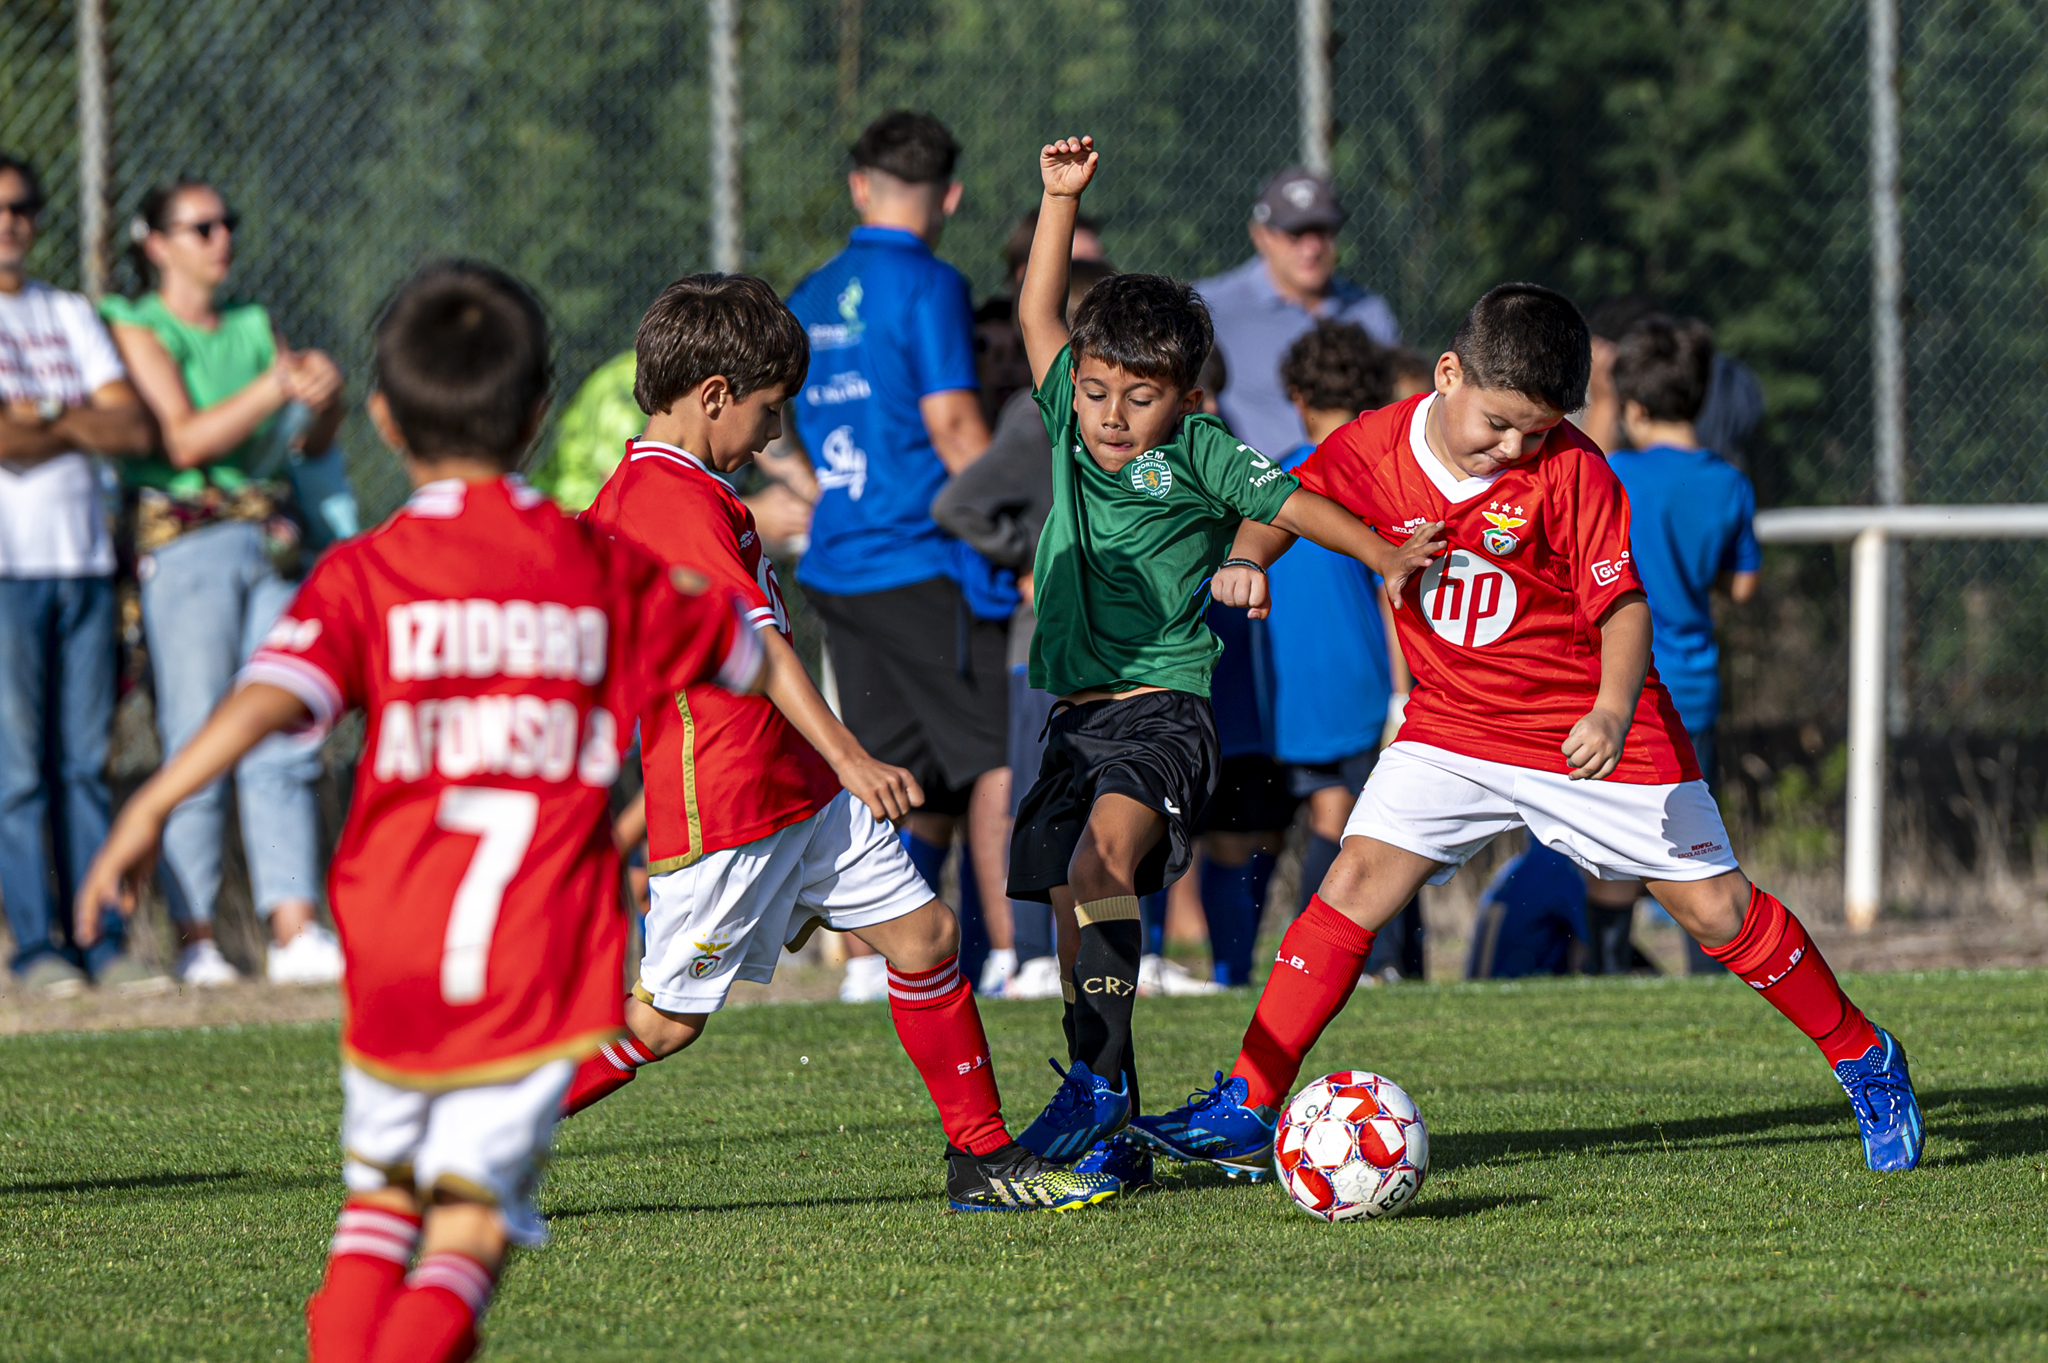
[(941, 1030), (434, 1319), (1318, 966), (610, 1070), (366, 1264), (1777, 958)]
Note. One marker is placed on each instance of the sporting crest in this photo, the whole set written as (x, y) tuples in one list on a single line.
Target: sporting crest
[(1151, 475), (1501, 541)]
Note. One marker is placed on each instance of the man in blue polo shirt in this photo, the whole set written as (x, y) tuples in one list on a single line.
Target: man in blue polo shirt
[(1264, 305), (916, 621), (1691, 528)]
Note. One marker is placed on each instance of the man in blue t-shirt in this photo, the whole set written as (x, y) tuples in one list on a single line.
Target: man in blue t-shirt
[(916, 621), (1691, 527)]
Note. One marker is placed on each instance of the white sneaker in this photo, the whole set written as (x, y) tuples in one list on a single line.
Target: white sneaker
[(312, 957), (1157, 976), (1037, 978), (203, 967), (867, 980), (997, 972)]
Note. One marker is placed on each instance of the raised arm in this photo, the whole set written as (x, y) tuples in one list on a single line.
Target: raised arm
[(248, 716), (888, 792), (1065, 167), (1593, 747)]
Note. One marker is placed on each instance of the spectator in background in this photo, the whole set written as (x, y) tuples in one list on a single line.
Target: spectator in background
[(64, 397), (1691, 528), (998, 346), (916, 622), (1263, 305), (1735, 399), (998, 504), (218, 557), (1338, 678)]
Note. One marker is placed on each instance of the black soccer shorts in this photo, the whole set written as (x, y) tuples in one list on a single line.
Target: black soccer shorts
[(1159, 748)]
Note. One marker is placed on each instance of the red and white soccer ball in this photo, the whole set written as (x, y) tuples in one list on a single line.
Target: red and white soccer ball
[(1352, 1145)]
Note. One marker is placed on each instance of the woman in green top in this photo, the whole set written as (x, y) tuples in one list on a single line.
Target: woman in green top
[(230, 399)]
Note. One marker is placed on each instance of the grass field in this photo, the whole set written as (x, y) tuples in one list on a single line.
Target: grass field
[(1621, 1168)]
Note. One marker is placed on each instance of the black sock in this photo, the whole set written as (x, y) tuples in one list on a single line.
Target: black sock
[(1316, 860), (1106, 985), (1067, 1022)]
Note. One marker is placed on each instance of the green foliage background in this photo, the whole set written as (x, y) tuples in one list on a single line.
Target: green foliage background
[(1711, 152)]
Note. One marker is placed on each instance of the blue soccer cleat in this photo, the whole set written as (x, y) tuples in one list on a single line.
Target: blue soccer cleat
[(1216, 1126), (1887, 1113), (1083, 1111), (1123, 1159)]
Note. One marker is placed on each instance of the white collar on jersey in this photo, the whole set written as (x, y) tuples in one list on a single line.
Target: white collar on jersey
[(1455, 490), (640, 447), (443, 498)]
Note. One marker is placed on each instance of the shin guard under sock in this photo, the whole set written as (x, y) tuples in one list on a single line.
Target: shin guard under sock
[(434, 1319), (940, 1028), (1316, 860), (1106, 982), (366, 1265), (610, 1070), (1313, 975), (1775, 956)]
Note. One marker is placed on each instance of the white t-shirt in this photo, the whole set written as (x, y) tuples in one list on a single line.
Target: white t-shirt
[(52, 520)]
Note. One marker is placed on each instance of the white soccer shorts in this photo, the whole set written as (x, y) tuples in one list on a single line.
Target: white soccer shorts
[(488, 1143), (1446, 806), (728, 916)]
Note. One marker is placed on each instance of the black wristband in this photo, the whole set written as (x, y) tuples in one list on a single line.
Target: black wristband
[(1240, 563)]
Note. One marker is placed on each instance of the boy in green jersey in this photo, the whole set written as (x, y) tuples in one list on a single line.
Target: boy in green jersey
[(1147, 494)]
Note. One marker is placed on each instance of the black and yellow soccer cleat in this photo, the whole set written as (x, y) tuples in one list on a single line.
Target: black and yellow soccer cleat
[(1013, 1179)]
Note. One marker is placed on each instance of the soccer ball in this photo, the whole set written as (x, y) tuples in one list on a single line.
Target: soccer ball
[(1352, 1145)]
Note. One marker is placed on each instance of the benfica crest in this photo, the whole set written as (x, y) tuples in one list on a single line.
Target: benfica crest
[(1151, 475), (1502, 541)]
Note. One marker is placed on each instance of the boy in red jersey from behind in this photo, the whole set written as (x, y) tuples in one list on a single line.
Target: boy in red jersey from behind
[(765, 816), (500, 651), (1534, 706)]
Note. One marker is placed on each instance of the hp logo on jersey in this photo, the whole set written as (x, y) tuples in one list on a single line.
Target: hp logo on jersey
[(1467, 600)]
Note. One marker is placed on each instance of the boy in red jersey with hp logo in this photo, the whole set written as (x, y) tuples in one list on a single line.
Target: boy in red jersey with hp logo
[(500, 651), (1534, 706)]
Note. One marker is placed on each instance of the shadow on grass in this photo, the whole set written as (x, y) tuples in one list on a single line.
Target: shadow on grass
[(755, 1205), (1452, 1208), (131, 1183), (1991, 1122)]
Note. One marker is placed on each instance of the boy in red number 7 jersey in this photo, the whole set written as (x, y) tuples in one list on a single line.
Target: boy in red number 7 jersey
[(500, 651), (1534, 706)]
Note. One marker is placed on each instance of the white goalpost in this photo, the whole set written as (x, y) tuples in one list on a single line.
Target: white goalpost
[(1871, 529)]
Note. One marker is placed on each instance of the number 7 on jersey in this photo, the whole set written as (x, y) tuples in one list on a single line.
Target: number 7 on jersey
[(503, 823)]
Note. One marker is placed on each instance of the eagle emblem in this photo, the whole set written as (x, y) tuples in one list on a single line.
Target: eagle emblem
[(1501, 541)]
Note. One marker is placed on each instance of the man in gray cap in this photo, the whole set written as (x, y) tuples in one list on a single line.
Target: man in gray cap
[(1261, 307)]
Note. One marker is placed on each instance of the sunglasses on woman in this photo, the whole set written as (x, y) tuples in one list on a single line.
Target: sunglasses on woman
[(206, 228), (22, 208)]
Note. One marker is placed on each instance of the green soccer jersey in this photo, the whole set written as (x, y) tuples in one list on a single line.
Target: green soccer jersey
[(1121, 578)]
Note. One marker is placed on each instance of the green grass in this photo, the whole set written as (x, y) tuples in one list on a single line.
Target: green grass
[(1621, 1168)]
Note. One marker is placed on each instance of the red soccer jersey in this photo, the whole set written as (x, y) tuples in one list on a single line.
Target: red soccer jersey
[(1500, 630), (722, 770), (495, 644)]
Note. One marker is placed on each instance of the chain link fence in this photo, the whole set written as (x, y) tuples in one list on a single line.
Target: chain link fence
[(1715, 156)]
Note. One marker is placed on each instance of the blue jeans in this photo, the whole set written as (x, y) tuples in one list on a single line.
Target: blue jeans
[(56, 707), (208, 598)]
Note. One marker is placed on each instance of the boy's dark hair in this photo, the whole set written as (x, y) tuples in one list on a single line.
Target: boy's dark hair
[(1665, 363), (1405, 362), (1528, 339), (914, 147), (1611, 317), (705, 324), (1338, 367), (29, 177), (1083, 276), (463, 360), (1145, 324)]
